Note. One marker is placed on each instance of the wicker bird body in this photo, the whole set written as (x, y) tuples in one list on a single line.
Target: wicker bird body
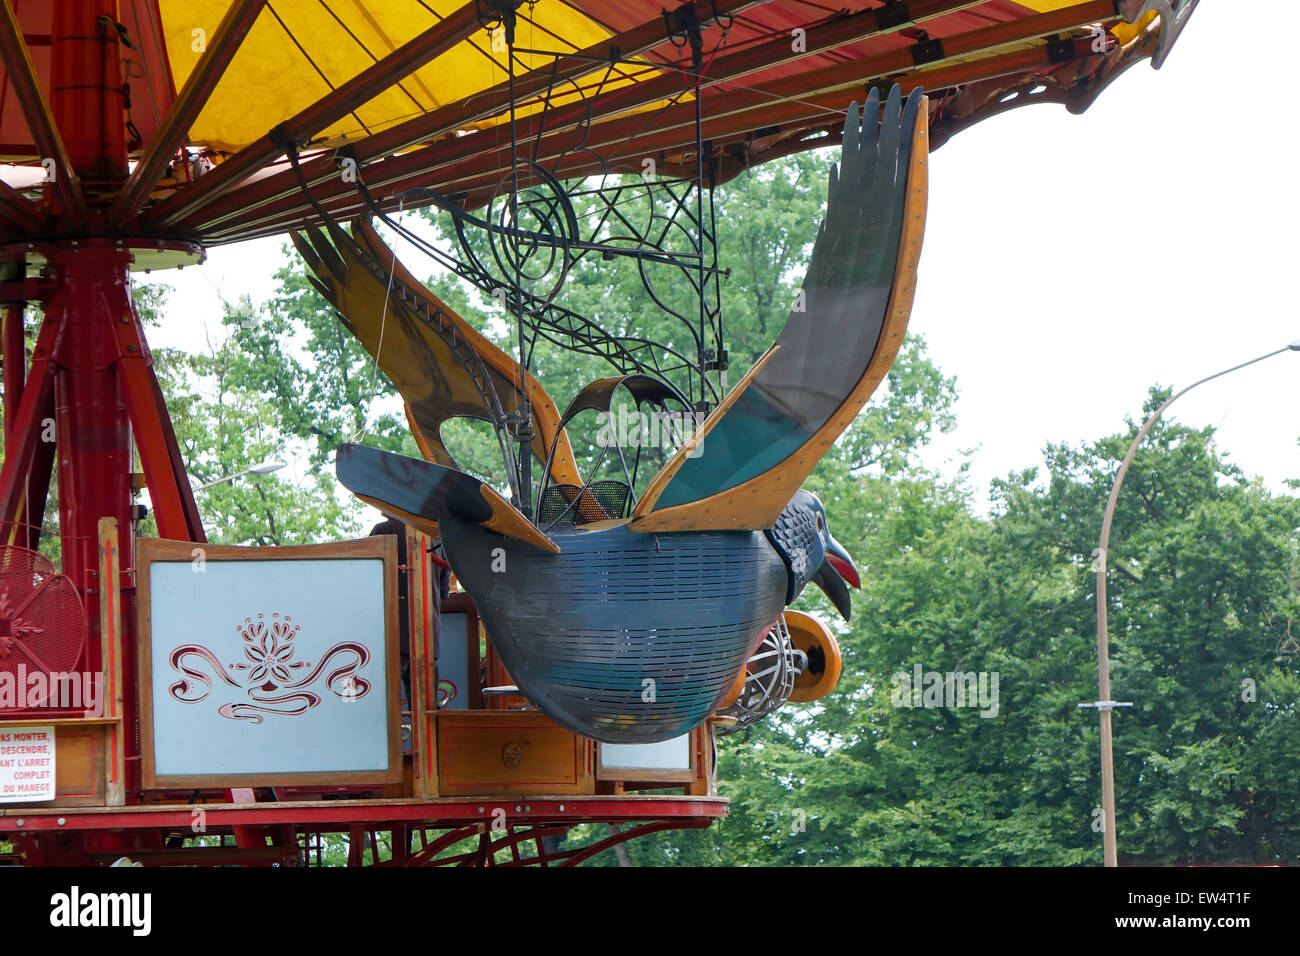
[(621, 636), (633, 629)]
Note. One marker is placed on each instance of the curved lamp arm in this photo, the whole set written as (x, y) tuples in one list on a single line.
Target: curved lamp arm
[(1104, 704)]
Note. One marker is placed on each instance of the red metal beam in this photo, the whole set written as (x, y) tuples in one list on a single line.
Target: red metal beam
[(820, 38), (37, 493), (428, 852), (169, 488), (363, 87), (368, 813), (787, 98), (729, 132), (15, 363), (36, 489), (458, 115), (767, 101), (26, 430), (622, 836), (809, 99), (791, 116), (814, 110), (171, 135), (19, 210), (40, 121)]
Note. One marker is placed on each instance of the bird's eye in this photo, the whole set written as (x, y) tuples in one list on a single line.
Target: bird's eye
[(821, 523)]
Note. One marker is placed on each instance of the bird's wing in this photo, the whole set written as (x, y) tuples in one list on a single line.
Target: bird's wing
[(757, 447), (411, 333), (420, 493)]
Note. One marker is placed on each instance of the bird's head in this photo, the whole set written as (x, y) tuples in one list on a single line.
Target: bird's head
[(803, 538)]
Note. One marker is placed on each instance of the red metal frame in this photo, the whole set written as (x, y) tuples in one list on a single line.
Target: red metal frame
[(234, 27), (15, 363), (19, 211), (91, 375), (186, 203), (43, 124), (283, 188), (46, 835)]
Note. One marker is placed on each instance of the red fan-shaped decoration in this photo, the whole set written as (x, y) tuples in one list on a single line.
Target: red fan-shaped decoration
[(42, 625)]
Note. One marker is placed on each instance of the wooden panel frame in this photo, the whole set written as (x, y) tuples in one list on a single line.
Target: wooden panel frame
[(383, 547), (424, 675), (110, 632)]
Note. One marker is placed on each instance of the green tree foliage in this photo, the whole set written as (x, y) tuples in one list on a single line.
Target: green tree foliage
[(1203, 611), (229, 412)]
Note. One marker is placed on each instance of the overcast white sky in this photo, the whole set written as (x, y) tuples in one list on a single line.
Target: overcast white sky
[(1073, 261)]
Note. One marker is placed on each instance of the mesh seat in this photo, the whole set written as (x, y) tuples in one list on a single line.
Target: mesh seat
[(601, 500)]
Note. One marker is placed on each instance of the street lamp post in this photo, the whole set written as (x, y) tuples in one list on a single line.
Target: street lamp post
[(1104, 705), (261, 468)]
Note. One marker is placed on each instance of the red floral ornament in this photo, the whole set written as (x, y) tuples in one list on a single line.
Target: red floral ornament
[(268, 651)]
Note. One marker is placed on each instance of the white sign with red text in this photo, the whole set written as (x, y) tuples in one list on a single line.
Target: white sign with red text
[(26, 764)]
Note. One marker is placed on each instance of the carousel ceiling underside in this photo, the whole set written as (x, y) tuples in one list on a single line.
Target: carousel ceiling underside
[(417, 94)]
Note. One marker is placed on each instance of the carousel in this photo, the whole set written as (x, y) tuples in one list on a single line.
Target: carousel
[(168, 701)]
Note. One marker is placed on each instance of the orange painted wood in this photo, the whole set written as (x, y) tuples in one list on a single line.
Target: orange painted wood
[(509, 752), (110, 630)]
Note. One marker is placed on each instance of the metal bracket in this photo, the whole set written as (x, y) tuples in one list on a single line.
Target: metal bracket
[(926, 50), (724, 22), (491, 11), (1100, 705), (30, 289), (517, 427), (893, 14), (683, 22), (1059, 50)]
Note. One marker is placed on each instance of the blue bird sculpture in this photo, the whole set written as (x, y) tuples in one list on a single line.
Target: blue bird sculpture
[(633, 630), (621, 635)]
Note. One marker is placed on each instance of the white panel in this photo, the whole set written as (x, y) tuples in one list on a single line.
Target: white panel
[(308, 617), (674, 754), (27, 768)]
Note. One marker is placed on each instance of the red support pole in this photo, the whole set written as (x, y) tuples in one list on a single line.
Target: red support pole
[(106, 396), (93, 435), (91, 295), (15, 359), (87, 98)]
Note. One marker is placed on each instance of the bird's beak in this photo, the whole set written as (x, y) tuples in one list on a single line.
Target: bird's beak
[(843, 564), (837, 569)]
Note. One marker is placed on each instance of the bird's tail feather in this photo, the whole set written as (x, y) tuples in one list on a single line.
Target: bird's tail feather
[(421, 493)]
